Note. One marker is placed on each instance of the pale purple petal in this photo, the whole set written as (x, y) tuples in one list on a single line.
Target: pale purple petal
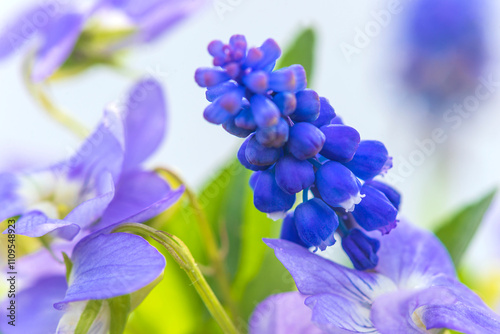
[(314, 274), (35, 313), (136, 191), (448, 304), (336, 314), (332, 286), (58, 43), (284, 313), (110, 265), (154, 17), (36, 224), (24, 28), (12, 204), (145, 122), (101, 152), (409, 253), (90, 210), (156, 208)]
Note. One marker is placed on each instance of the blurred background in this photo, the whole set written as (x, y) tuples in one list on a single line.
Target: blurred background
[(394, 70)]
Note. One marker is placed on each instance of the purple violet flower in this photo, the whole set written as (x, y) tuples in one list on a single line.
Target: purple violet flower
[(413, 289), (103, 183), (91, 30)]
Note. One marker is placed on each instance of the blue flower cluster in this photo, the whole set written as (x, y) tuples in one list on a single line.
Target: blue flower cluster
[(296, 143)]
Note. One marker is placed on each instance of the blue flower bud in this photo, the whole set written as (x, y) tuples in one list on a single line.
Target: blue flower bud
[(268, 196), (253, 179), (245, 119), (375, 211), (338, 186), (288, 79), (370, 160), (214, 92), (238, 45), (208, 77), (293, 175), (308, 106), (254, 56), (305, 140), (337, 120), (341, 142), (392, 194), (217, 50), (316, 223), (235, 130), (257, 82), (243, 159), (361, 249), (286, 102), (273, 136), (265, 112), (270, 53), (258, 154), (289, 230), (326, 113)]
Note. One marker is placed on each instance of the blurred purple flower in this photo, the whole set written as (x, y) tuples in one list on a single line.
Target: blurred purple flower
[(103, 183), (58, 26), (446, 49), (413, 289)]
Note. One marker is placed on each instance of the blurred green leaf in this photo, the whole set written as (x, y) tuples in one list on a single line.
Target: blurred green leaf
[(254, 226), (119, 308), (457, 231), (68, 264), (224, 200), (301, 51), (88, 316), (272, 277)]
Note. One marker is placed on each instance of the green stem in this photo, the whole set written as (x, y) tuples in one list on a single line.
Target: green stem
[(40, 95), (183, 257), (210, 243)]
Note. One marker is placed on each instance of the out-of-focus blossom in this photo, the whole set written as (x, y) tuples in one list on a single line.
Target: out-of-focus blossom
[(77, 203), (446, 52), (89, 32), (295, 143), (103, 183), (413, 289)]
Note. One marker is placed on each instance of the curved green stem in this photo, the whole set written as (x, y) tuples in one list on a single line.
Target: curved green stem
[(183, 257), (40, 95), (210, 243)]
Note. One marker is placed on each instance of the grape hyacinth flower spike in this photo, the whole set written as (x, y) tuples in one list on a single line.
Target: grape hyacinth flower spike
[(294, 142)]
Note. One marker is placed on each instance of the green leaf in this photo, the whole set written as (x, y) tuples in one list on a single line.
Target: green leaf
[(119, 309), (272, 278), (457, 231), (224, 201), (254, 226), (88, 316), (69, 265), (301, 51)]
